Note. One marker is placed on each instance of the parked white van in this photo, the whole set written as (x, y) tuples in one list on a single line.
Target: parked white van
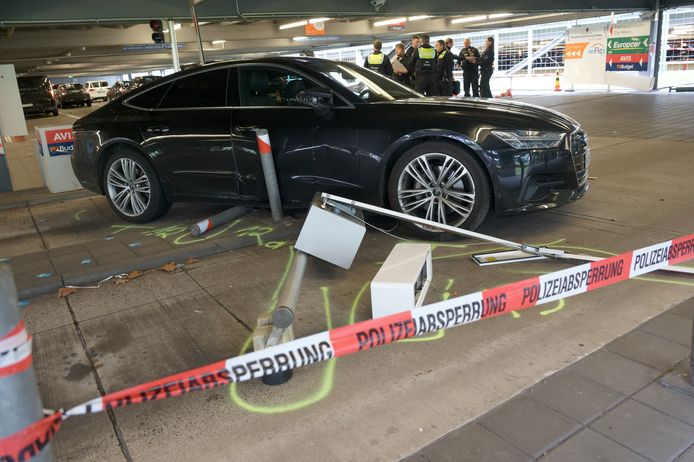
[(97, 89)]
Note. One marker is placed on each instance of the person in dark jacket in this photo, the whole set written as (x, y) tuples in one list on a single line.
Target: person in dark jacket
[(486, 62), (409, 58), (443, 73), (424, 65), (468, 58), (379, 62), (404, 76)]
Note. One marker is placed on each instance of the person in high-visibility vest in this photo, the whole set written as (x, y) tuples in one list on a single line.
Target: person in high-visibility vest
[(379, 62), (443, 73), (424, 63)]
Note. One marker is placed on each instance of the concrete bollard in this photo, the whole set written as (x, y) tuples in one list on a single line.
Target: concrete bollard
[(268, 162), (20, 402), (215, 221)]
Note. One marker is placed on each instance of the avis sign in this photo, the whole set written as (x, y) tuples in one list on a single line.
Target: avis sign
[(60, 142), (627, 53)]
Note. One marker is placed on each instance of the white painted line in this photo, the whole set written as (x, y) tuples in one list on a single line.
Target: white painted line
[(70, 115)]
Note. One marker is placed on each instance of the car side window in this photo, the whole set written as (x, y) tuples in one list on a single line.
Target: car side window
[(204, 89), (149, 99), (270, 86)]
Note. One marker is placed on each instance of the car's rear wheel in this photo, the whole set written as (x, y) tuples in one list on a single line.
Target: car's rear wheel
[(441, 182), (132, 187)]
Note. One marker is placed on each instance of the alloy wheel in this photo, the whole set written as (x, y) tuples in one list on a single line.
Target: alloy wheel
[(436, 187), (128, 187)]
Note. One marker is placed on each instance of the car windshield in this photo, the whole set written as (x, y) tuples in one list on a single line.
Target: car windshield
[(31, 82), (368, 85), (74, 86)]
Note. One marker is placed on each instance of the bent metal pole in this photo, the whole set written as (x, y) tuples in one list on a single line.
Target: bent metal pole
[(20, 402), (432, 224)]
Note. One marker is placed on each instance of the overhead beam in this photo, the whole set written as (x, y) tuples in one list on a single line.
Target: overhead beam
[(52, 12)]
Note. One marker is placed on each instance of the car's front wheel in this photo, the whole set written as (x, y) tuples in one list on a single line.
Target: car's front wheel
[(441, 182), (132, 187)]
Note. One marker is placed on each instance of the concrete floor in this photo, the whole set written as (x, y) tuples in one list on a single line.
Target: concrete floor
[(384, 404)]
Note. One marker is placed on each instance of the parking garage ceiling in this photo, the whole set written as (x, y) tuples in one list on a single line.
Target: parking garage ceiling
[(79, 37)]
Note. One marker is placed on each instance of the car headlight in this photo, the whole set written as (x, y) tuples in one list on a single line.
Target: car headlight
[(530, 139)]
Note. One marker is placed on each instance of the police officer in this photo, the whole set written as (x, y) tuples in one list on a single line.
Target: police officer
[(401, 76), (468, 58), (379, 62), (443, 73), (424, 65), (486, 62), (409, 58)]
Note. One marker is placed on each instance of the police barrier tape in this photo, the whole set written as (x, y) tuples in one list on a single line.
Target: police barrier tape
[(366, 335)]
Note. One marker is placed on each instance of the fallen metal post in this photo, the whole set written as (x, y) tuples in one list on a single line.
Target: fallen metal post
[(527, 249), (278, 328), (20, 402), (283, 315), (271, 183), (221, 218)]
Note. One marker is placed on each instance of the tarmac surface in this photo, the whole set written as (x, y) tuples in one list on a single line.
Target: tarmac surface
[(379, 405)]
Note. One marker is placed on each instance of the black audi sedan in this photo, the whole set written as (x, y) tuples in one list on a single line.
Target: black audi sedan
[(334, 127)]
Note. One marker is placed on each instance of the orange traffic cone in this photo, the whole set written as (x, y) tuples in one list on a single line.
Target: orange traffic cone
[(505, 93), (557, 85)]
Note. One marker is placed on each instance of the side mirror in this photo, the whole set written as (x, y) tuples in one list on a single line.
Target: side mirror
[(320, 99)]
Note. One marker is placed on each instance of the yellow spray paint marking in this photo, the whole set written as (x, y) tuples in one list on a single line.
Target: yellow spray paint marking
[(79, 213), (323, 391), (559, 306)]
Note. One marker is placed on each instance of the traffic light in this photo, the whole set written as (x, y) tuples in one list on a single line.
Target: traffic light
[(157, 30)]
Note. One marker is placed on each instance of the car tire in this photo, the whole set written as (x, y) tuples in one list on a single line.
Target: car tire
[(89, 103), (441, 182), (55, 111), (132, 187)]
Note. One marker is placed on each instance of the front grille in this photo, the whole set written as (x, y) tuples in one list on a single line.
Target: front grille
[(580, 153)]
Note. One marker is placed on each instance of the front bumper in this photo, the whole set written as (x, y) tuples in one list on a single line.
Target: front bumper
[(540, 179), (39, 106)]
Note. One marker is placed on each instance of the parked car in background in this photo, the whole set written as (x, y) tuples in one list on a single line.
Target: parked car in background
[(334, 127), (73, 94), (97, 89), (37, 95), (137, 82), (117, 89)]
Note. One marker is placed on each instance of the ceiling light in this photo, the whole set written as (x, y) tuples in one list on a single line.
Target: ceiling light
[(499, 15), (388, 22), (218, 42), (202, 23), (177, 26), (469, 19), (300, 39), (290, 25), (417, 18), (317, 20)]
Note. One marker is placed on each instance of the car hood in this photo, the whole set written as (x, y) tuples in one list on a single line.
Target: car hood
[(506, 106)]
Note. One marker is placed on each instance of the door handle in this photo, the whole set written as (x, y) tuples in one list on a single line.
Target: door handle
[(246, 128), (158, 129)]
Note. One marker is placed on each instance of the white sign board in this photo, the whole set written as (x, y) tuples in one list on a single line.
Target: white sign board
[(584, 55)]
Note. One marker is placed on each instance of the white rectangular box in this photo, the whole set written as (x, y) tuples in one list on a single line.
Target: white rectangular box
[(54, 150), (331, 234), (403, 280)]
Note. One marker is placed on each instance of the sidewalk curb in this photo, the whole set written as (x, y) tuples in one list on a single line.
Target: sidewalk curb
[(200, 250)]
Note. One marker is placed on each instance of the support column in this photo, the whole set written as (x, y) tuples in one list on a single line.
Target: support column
[(194, 14), (658, 43), (174, 46)]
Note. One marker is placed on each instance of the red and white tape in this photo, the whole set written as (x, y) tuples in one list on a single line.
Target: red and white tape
[(15, 351), (263, 142), (372, 333)]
